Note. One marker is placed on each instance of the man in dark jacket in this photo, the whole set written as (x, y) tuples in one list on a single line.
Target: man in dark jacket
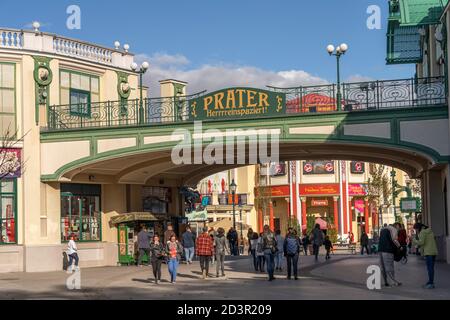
[(143, 244), (364, 242), (232, 237), (188, 242)]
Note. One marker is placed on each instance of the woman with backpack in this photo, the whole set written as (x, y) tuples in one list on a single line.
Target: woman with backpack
[(270, 249), (291, 248)]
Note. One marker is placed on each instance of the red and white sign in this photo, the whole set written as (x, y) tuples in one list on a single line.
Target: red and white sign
[(319, 203), (319, 189)]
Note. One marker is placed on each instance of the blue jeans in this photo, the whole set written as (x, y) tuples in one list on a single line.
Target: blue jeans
[(430, 267), (270, 257), (279, 259), (73, 256), (173, 267), (189, 254)]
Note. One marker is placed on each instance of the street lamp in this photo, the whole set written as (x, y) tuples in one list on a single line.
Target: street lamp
[(240, 219), (338, 52), (233, 188), (144, 67)]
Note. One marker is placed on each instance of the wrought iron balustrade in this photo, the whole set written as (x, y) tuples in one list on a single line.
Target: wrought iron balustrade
[(361, 96)]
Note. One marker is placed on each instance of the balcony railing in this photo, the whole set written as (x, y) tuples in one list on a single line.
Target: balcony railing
[(48, 43), (361, 96)]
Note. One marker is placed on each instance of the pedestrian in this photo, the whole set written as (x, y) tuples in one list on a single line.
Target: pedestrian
[(291, 250), (144, 245), (305, 243), (169, 233), (173, 252), (351, 237), (253, 247), (221, 247), (158, 254), (387, 246), (260, 254), (403, 239), (270, 248), (279, 255), (317, 240), (204, 249), (364, 242), (328, 247), (232, 237), (249, 237), (72, 252), (212, 233), (188, 242), (426, 240)]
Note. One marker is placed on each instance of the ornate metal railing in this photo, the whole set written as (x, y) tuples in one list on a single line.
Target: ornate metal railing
[(361, 96)]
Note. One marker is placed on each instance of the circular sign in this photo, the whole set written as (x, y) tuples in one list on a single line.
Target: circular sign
[(329, 167), (308, 167), (358, 166)]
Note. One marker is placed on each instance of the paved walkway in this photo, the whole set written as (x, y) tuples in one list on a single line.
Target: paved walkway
[(344, 277)]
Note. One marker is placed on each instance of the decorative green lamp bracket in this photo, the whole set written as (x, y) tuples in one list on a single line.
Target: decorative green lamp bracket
[(43, 77)]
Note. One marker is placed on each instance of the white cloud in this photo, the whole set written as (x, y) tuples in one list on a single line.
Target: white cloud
[(358, 78), (212, 77)]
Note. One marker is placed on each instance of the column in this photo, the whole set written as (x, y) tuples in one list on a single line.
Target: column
[(260, 220), (335, 213), (271, 220), (304, 222), (288, 205), (348, 217), (366, 215)]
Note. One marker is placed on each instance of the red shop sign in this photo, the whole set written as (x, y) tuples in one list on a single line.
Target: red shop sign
[(319, 203), (319, 189)]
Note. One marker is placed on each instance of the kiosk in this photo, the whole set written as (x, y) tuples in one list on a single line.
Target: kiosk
[(128, 226)]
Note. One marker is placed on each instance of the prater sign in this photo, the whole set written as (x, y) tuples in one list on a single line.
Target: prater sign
[(236, 103)]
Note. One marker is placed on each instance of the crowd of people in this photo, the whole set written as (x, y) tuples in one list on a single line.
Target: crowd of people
[(269, 249)]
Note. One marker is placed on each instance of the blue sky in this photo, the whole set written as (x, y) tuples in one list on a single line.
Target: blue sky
[(207, 36)]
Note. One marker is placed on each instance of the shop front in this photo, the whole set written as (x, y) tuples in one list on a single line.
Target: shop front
[(320, 201)]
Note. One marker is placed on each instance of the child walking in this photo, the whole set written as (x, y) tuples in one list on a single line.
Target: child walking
[(328, 247)]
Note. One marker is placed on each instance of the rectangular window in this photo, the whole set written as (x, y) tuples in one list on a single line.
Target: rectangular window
[(80, 212), (80, 102), (79, 91), (7, 98), (8, 216)]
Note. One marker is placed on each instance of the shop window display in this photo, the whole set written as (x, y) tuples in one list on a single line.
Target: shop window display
[(80, 214), (8, 217)]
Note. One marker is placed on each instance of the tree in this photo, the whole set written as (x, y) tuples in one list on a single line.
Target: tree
[(262, 191), (11, 164), (379, 188)]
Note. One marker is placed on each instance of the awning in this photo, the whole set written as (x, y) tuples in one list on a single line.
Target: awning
[(136, 216)]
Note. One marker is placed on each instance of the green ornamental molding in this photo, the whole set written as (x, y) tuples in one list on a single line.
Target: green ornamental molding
[(43, 77), (123, 87)]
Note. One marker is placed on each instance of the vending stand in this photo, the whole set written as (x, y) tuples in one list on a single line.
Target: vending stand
[(197, 220), (128, 226)]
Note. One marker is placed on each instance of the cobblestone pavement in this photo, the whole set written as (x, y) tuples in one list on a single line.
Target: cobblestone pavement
[(343, 277)]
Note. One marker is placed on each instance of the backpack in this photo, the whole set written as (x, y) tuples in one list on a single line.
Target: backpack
[(292, 246), (270, 242)]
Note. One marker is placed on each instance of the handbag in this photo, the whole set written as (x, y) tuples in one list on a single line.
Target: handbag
[(398, 254)]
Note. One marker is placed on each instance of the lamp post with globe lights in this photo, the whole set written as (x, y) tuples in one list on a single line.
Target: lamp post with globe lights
[(144, 67), (338, 52)]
